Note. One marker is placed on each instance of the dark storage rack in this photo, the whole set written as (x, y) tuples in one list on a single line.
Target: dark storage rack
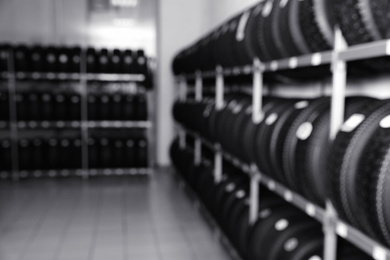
[(338, 58), (76, 76), (77, 124), (82, 78)]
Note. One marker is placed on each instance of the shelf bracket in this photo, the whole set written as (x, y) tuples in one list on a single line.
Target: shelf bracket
[(339, 84), (198, 86), (257, 96), (254, 195), (339, 69), (13, 116), (84, 114), (329, 226), (218, 166), (219, 88), (198, 151)]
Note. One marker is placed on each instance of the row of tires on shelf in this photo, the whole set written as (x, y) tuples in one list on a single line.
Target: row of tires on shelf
[(56, 153), (280, 232), (68, 60), (291, 145), (276, 29), (35, 106)]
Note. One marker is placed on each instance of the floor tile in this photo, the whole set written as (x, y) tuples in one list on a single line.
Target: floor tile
[(104, 218)]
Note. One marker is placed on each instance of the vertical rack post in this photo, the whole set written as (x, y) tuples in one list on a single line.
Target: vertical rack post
[(257, 92), (183, 98), (254, 197), (151, 99), (198, 98), (219, 100), (257, 115), (337, 118), (13, 115), (84, 113)]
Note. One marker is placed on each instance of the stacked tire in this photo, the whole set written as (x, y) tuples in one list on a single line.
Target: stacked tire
[(271, 30), (358, 170), (290, 144), (45, 106), (362, 22), (65, 59), (118, 106), (49, 153), (114, 153), (281, 230)]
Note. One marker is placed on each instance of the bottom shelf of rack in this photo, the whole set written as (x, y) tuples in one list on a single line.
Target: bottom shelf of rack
[(76, 172)]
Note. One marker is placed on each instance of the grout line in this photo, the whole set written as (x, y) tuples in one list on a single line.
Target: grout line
[(38, 225), (27, 201), (65, 229), (95, 226), (125, 232), (155, 231)]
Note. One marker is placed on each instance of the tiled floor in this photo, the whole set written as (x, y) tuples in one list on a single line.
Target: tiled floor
[(112, 219)]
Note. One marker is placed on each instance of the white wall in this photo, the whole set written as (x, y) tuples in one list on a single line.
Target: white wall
[(69, 22), (221, 10), (180, 23)]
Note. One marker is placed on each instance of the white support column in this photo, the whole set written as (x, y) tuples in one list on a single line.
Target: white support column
[(218, 168), (84, 114), (219, 100), (257, 116), (198, 98), (183, 98), (198, 151), (339, 70), (219, 90), (198, 86), (13, 116), (254, 197), (257, 92)]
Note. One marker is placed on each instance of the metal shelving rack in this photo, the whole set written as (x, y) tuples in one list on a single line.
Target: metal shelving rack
[(83, 78), (337, 59)]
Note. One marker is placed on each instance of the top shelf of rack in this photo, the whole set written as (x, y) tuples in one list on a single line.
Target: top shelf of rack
[(76, 76), (352, 53)]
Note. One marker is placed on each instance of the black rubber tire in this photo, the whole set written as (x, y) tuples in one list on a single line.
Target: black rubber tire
[(312, 152), (263, 232), (261, 31), (279, 135), (373, 183), (316, 22), (344, 157), (301, 242), (236, 131), (262, 138), (248, 130), (364, 21), (283, 37), (309, 114), (238, 197), (245, 43)]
